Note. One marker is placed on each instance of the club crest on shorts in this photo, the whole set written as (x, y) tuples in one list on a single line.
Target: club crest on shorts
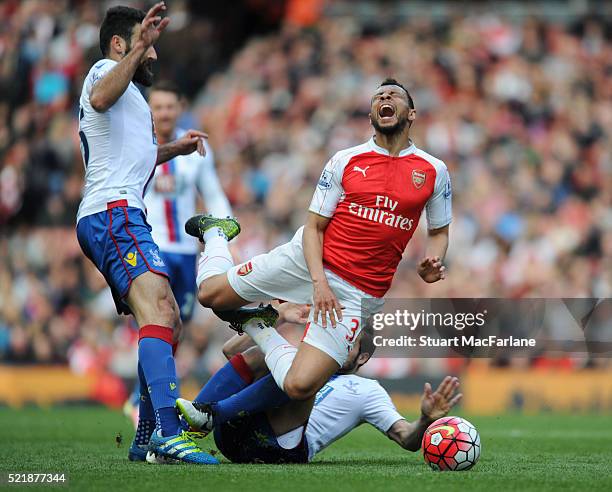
[(157, 261), (245, 269), (418, 178)]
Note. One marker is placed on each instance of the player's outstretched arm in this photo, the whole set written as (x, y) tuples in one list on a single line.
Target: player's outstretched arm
[(191, 141), (112, 85), (434, 405), (431, 268), (324, 300)]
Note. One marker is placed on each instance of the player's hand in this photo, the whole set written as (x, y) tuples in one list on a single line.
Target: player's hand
[(435, 405), (293, 313), (326, 304), (190, 142), (153, 25), (431, 269)]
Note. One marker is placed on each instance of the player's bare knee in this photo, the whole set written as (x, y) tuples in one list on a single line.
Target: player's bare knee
[(207, 295), (299, 389)]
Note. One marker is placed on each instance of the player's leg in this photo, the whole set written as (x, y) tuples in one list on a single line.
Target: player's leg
[(214, 291), (235, 379), (182, 281), (152, 302), (252, 435), (279, 274), (310, 370), (119, 243), (207, 411), (302, 372), (179, 278), (290, 416), (146, 422), (313, 367), (157, 314), (251, 439)]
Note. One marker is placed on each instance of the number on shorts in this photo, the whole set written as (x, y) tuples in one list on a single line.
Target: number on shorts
[(354, 328)]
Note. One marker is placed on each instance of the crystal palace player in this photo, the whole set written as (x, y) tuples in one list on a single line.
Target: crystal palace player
[(171, 199), (366, 207), (173, 194), (120, 153)]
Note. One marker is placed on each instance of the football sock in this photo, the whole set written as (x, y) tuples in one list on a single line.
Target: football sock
[(262, 395), (146, 414), (167, 420), (145, 407), (215, 259), (227, 381), (278, 351), (155, 357), (143, 431), (212, 233), (135, 395)]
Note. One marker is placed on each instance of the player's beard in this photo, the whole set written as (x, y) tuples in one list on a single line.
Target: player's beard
[(349, 367), (390, 130), (144, 74)]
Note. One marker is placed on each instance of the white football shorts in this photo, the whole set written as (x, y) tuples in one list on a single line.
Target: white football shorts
[(283, 274)]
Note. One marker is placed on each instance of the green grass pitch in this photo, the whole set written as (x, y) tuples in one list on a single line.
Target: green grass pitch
[(546, 452)]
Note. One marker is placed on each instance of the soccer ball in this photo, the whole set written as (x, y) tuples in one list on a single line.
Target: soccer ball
[(451, 443)]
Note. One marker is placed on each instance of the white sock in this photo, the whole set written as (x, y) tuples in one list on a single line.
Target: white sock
[(213, 233), (278, 351), (215, 259)]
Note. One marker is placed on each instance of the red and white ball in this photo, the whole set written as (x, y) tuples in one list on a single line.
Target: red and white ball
[(451, 443)]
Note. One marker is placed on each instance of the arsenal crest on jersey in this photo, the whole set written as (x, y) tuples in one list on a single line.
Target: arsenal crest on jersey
[(418, 178), (245, 269)]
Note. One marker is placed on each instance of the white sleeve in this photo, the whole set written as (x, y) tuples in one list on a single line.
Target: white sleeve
[(439, 206), (379, 410), (99, 70), (208, 184), (329, 189)]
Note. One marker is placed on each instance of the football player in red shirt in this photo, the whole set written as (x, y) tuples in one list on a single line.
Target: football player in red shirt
[(365, 209)]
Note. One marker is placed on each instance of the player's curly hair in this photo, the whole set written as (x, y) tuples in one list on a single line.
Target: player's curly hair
[(120, 21), (392, 81)]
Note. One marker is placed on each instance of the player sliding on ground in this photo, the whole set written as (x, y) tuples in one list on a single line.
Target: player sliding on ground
[(120, 153), (365, 209), (296, 431)]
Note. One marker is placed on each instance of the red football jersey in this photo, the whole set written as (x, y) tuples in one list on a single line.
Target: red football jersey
[(375, 201)]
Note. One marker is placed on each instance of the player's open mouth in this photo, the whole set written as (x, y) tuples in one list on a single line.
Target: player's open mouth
[(386, 111)]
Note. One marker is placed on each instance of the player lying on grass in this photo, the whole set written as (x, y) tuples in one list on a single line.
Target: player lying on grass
[(297, 430), (364, 211)]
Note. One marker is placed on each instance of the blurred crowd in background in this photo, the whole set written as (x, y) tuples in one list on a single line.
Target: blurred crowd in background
[(518, 106)]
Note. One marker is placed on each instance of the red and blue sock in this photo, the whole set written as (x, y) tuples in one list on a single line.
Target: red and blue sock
[(227, 381), (155, 358), (262, 395)]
